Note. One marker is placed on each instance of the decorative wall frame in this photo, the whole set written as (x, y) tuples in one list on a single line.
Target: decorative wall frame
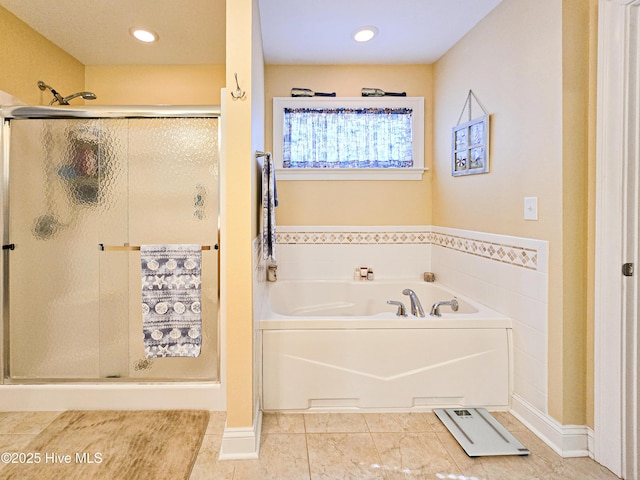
[(470, 142)]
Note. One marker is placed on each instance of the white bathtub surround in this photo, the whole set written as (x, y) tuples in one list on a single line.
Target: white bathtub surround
[(335, 251), (508, 274), (510, 278), (335, 345)]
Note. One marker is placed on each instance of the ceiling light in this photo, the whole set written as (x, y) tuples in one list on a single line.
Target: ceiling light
[(146, 36), (364, 34)]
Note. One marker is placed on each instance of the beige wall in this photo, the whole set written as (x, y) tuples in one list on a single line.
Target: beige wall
[(155, 84), (244, 131), (352, 202), (528, 64), (591, 209), (26, 57)]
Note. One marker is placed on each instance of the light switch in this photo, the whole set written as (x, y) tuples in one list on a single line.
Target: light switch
[(531, 208)]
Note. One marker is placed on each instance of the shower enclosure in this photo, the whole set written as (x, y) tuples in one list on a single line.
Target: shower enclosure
[(83, 189)]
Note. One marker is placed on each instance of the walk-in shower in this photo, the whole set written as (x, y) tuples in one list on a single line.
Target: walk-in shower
[(83, 189)]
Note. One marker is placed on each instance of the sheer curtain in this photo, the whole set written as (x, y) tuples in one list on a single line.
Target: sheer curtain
[(347, 138)]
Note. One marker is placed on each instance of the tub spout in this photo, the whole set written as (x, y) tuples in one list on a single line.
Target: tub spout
[(435, 308), (416, 306), (402, 310)]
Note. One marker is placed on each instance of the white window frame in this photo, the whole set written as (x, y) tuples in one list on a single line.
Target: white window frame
[(414, 173)]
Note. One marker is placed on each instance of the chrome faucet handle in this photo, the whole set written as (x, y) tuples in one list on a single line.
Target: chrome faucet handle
[(402, 310), (454, 304), (416, 306), (435, 308)]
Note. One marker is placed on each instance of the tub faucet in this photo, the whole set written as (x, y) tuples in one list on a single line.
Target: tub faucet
[(435, 308), (416, 306), (402, 310)]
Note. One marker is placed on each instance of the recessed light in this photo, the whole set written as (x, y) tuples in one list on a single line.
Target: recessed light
[(364, 34), (146, 36)]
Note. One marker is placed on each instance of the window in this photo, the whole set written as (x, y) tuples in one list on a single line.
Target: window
[(349, 138)]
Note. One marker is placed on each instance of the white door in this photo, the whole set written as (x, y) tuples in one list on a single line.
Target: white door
[(616, 431)]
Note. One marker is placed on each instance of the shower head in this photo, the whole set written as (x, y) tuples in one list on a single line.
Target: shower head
[(65, 101), (84, 95)]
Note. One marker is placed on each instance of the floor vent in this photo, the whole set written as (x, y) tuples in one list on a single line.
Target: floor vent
[(478, 433)]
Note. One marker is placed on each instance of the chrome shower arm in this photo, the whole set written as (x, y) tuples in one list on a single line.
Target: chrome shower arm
[(64, 101)]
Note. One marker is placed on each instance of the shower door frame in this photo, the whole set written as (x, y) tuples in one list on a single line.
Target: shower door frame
[(92, 112)]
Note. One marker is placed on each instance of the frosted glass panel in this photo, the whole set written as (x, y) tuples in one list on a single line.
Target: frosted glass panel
[(174, 199), (75, 184), (60, 174)]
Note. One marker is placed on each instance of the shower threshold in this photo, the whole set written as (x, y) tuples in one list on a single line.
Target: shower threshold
[(112, 395), (63, 381)]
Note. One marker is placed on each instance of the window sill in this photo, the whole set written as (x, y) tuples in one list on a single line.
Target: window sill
[(350, 173)]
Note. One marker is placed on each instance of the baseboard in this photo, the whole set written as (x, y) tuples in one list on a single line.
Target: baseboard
[(566, 440), (591, 441), (242, 443)]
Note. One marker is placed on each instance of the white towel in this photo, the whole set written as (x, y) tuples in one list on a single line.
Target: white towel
[(172, 322)]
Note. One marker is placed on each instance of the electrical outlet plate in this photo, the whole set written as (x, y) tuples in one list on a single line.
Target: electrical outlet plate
[(531, 208)]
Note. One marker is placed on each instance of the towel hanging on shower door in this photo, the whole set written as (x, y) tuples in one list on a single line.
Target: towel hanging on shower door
[(172, 322)]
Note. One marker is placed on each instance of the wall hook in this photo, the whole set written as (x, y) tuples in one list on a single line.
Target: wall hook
[(239, 93)]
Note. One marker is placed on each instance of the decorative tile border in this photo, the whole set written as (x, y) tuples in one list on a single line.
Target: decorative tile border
[(520, 256), (353, 238), (511, 254)]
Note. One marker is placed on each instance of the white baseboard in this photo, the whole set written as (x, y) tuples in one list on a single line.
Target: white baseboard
[(242, 443), (591, 441), (566, 440)]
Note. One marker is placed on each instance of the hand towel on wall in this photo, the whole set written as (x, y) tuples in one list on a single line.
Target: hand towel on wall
[(172, 322), (269, 202)]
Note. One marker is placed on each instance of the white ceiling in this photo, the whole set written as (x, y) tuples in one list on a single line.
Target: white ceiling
[(410, 31), (96, 32)]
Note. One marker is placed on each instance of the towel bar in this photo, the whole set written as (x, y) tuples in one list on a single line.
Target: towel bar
[(132, 248)]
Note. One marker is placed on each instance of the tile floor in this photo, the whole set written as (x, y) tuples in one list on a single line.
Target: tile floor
[(413, 446)]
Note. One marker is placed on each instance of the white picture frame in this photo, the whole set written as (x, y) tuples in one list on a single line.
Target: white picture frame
[(470, 147)]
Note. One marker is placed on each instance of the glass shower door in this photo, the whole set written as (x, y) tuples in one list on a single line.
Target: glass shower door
[(75, 184), (172, 200)]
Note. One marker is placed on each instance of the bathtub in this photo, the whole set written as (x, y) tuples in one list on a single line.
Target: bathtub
[(338, 345)]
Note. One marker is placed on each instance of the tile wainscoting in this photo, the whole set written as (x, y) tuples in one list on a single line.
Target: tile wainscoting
[(508, 274), (336, 251)]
